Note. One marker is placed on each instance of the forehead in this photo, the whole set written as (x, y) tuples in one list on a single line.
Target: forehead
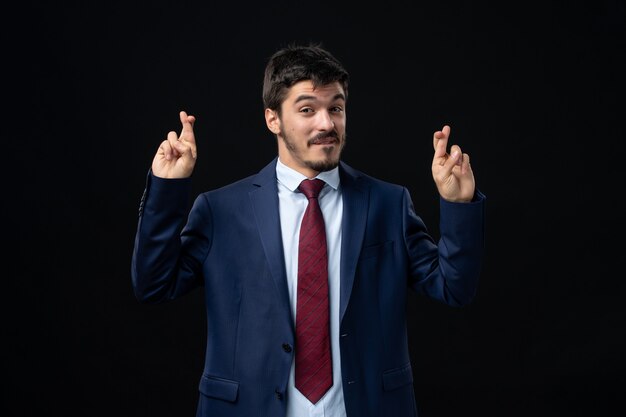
[(304, 90)]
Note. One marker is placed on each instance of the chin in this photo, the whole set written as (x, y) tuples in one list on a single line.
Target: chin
[(323, 164)]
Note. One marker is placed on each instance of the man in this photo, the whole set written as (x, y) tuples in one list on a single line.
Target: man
[(241, 243)]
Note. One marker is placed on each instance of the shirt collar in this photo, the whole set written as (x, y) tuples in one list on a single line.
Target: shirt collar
[(291, 178)]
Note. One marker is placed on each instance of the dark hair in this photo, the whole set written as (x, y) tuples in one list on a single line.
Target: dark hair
[(295, 63)]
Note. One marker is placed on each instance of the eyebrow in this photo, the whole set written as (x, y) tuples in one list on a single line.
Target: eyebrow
[(304, 97)]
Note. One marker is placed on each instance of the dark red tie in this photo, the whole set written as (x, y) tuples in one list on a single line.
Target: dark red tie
[(314, 375)]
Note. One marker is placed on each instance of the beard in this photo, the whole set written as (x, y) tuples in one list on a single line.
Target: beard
[(329, 162)]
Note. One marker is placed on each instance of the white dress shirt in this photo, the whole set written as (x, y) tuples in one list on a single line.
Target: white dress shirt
[(292, 204)]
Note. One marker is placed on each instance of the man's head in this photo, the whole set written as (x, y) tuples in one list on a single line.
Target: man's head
[(304, 93)]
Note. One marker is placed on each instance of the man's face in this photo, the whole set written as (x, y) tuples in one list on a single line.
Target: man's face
[(312, 128)]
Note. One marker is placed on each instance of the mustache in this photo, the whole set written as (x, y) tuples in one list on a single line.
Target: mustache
[(323, 135)]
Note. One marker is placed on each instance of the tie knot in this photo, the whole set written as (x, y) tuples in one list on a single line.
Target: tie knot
[(311, 188)]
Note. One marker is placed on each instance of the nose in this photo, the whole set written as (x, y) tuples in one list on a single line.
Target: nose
[(325, 121)]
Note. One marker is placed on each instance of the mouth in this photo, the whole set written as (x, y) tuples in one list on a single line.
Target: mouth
[(328, 140)]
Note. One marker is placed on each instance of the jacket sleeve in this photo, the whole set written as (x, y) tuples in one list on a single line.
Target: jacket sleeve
[(169, 247), (449, 270)]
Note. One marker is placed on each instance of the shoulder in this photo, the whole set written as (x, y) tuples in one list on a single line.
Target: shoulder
[(351, 176), (265, 178)]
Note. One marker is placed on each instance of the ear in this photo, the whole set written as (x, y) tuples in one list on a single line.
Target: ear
[(272, 121)]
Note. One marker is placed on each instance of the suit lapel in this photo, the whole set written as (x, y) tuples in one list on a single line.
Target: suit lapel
[(264, 200), (355, 195)]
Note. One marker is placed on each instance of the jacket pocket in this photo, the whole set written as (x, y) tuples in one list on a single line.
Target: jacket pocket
[(397, 377), (220, 388), (374, 251)]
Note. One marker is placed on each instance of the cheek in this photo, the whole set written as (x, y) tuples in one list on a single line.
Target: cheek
[(299, 131), (340, 125)]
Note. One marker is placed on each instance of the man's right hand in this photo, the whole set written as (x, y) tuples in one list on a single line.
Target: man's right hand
[(176, 157)]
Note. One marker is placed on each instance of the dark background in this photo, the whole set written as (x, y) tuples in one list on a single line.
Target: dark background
[(534, 93)]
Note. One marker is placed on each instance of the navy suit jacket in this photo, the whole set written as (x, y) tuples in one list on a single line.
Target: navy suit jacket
[(229, 244)]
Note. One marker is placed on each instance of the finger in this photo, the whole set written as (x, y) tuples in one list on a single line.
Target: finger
[(456, 150), (166, 148), (455, 159), (173, 139), (465, 167), (440, 141), (187, 121), (183, 148)]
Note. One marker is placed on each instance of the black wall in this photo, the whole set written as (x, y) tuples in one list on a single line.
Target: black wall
[(534, 93)]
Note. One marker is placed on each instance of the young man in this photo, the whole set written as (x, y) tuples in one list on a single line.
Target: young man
[(297, 328)]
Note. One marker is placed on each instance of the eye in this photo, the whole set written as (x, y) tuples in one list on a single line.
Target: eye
[(336, 109), (306, 110)]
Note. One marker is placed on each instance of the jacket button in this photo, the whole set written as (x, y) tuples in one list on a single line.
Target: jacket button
[(279, 395), (287, 347)]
